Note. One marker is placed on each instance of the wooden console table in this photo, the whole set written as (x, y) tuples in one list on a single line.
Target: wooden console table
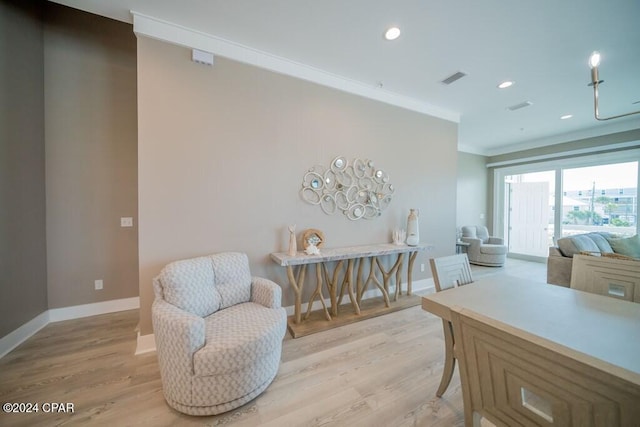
[(533, 354), (340, 280)]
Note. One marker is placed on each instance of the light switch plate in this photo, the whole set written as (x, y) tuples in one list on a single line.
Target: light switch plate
[(126, 221)]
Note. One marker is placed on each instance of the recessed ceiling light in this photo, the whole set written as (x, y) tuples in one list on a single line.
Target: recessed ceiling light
[(566, 116), (505, 85), (392, 33)]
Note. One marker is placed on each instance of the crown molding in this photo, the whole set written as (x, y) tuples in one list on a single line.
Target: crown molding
[(158, 29)]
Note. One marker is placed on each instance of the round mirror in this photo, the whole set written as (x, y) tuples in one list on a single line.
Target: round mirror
[(315, 183), (339, 163), (379, 174)]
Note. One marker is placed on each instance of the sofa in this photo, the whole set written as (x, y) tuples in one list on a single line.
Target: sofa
[(218, 333), (560, 260)]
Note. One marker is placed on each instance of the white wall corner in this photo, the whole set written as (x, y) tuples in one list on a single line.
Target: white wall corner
[(24, 332), (145, 344)]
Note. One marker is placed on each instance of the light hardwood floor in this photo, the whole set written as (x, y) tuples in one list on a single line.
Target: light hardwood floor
[(379, 372)]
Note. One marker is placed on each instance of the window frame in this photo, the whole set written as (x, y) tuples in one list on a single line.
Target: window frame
[(557, 165)]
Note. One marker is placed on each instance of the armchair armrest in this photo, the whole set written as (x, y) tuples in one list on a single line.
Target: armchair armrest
[(178, 335), (266, 292), (496, 241), (473, 251)]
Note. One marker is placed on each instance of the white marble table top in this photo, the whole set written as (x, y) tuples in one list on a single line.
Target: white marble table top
[(348, 252)]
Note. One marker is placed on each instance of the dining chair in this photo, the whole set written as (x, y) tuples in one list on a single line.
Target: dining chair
[(449, 272)]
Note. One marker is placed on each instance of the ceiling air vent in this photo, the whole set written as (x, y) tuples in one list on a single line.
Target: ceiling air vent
[(519, 106), (453, 77)]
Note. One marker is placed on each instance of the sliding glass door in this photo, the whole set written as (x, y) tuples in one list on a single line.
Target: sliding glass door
[(536, 204)]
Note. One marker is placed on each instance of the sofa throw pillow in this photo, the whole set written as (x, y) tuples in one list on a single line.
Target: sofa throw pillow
[(233, 278), (601, 241), (629, 246), (572, 245), (190, 285)]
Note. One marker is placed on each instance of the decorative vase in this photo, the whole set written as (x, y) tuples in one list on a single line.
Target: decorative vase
[(413, 233), (293, 247)]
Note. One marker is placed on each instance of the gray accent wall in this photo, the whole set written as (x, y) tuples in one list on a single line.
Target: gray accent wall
[(68, 160), (222, 152), (23, 261), (91, 157)]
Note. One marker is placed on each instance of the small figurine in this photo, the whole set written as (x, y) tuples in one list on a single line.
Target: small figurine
[(312, 250), (293, 247)]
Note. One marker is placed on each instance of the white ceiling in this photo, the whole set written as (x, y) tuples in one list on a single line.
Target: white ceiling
[(542, 45)]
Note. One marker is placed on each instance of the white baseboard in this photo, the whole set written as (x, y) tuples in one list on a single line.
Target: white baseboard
[(145, 344), (24, 332), (85, 310)]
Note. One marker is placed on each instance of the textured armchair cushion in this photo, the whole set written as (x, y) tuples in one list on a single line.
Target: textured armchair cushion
[(190, 285), (482, 233), (629, 246), (238, 336), (233, 277), (493, 249), (477, 232)]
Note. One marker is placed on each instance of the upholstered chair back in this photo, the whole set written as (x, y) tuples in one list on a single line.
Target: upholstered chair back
[(476, 232), (207, 284)]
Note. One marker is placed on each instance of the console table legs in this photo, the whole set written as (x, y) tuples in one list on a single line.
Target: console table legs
[(412, 258), (332, 285), (372, 278), (348, 282), (297, 285), (317, 293), (336, 288)]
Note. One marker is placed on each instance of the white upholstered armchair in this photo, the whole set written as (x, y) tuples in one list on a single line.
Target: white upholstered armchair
[(484, 249), (218, 333)]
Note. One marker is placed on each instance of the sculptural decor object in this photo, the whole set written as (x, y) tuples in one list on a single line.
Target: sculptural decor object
[(359, 190), (413, 233), (293, 247), (313, 237)]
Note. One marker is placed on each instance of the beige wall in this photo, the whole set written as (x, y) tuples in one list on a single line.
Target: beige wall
[(91, 156), (473, 187), (23, 263), (222, 151)]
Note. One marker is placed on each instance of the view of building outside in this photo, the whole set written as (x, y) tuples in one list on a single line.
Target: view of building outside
[(600, 198)]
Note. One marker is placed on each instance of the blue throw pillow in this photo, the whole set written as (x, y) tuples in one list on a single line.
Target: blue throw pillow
[(629, 246)]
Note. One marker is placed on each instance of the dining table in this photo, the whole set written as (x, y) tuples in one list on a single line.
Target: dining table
[(531, 353)]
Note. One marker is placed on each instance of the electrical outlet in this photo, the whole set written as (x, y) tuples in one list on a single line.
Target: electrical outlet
[(126, 221), (422, 267), (98, 284)]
